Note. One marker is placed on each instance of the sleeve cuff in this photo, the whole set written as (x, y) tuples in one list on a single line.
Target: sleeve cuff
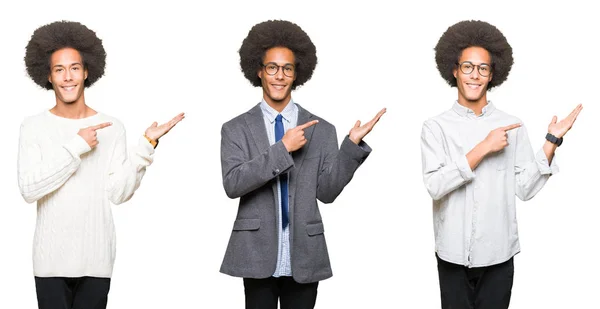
[(77, 146), (542, 163), (145, 146), (358, 152), (284, 161), (465, 169)]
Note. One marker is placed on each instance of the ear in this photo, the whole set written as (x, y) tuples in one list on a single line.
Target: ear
[(259, 73), (454, 71), (50, 77), (85, 74)]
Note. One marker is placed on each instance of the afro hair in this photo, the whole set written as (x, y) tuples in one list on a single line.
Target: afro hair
[(58, 35), (466, 34), (277, 33)]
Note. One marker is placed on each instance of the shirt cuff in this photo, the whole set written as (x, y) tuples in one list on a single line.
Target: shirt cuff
[(464, 168), (145, 147), (77, 146), (542, 163)]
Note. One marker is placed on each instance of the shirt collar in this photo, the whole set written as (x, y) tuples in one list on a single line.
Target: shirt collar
[(271, 113), (465, 112)]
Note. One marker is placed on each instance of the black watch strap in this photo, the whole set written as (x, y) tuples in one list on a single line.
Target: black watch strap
[(554, 140)]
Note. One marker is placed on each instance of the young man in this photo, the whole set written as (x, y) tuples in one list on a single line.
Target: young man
[(476, 158), (73, 160), (279, 158)]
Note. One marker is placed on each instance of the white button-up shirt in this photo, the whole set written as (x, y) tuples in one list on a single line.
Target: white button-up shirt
[(290, 120), (474, 215)]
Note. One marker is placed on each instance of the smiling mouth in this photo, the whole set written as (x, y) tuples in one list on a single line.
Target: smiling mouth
[(68, 88), (473, 86), (278, 87)]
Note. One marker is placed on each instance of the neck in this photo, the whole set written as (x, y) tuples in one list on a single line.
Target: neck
[(75, 110), (475, 106), (277, 105)]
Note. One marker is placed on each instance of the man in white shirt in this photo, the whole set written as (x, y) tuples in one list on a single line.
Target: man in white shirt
[(73, 160), (476, 159)]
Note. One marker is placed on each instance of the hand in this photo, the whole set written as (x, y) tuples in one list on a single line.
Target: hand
[(294, 138), (562, 127), (358, 132), (89, 133), (155, 131), (497, 138)]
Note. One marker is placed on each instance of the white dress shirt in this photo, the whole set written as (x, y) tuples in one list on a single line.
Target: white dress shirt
[(474, 215), (290, 120)]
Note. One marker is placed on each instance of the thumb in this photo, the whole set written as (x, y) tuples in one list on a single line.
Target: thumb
[(154, 124), (357, 124), (554, 119)]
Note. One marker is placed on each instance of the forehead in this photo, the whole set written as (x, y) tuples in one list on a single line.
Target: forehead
[(279, 55), (65, 56), (476, 55)]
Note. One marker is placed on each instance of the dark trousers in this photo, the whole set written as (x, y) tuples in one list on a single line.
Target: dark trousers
[(263, 293), (475, 288), (72, 293)]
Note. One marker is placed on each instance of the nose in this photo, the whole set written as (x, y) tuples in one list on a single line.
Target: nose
[(279, 74), (67, 75), (475, 73)]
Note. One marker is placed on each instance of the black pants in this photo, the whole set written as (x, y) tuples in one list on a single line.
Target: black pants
[(72, 293), (263, 293), (475, 288)]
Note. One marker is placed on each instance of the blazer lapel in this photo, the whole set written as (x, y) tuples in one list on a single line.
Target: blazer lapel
[(256, 125), (303, 117)]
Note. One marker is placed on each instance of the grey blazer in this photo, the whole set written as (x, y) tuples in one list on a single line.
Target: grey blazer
[(250, 166)]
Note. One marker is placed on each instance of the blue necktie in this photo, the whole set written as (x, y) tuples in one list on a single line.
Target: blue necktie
[(283, 179)]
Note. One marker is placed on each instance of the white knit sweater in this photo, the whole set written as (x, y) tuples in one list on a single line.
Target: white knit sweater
[(73, 185)]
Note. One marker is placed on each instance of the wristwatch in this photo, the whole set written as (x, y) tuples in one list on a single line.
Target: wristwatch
[(553, 139)]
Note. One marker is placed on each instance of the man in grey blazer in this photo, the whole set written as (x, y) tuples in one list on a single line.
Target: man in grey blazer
[(279, 158)]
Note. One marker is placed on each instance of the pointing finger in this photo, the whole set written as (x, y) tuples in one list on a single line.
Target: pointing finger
[(512, 126), (308, 124), (101, 126)]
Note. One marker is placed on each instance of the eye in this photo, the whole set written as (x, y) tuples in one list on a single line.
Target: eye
[(484, 68), (271, 67), (289, 68), (467, 66), (58, 70)]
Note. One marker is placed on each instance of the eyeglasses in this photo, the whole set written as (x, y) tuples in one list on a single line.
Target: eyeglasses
[(272, 68), (467, 67)]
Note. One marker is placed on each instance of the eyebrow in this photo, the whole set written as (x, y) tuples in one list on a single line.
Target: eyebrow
[(72, 64), (275, 63)]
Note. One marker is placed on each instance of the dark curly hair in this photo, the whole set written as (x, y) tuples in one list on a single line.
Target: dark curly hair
[(61, 34), (277, 33), (470, 33)]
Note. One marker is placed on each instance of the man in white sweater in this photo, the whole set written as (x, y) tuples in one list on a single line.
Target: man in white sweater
[(73, 160)]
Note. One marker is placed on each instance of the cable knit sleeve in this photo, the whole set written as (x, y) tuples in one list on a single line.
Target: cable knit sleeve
[(42, 173), (126, 171)]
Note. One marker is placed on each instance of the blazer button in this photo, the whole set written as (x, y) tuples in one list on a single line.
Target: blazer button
[(275, 172)]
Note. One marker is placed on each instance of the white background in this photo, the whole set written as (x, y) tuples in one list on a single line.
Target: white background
[(169, 57)]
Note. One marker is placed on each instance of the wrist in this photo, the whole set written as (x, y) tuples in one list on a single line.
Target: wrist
[(485, 147), (285, 145), (354, 139), (152, 142)]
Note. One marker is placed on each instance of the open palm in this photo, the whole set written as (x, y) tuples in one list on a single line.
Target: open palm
[(155, 131), (358, 132), (559, 129)]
